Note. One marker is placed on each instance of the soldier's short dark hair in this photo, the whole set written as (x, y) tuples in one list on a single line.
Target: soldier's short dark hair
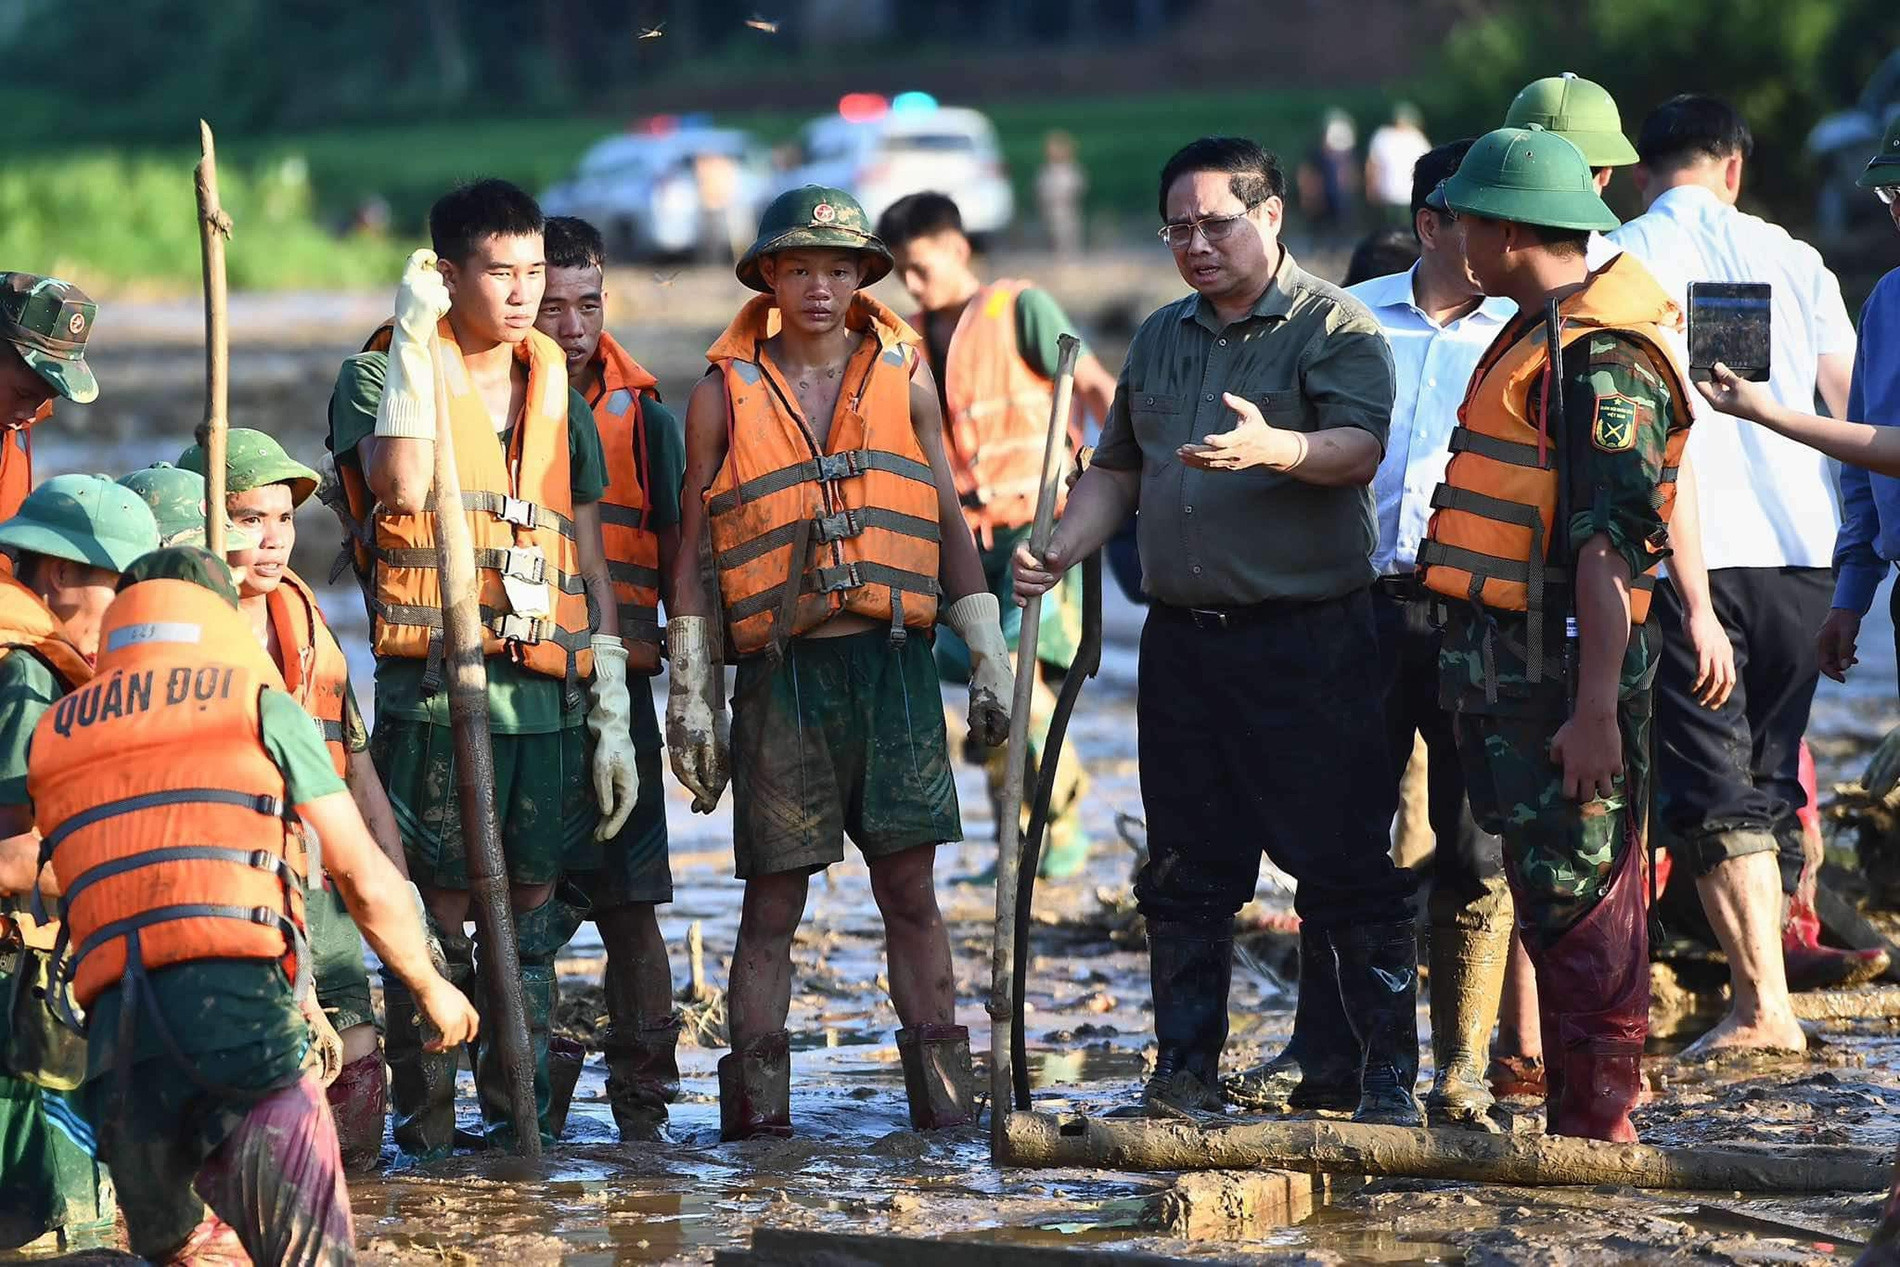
[(574, 243), (1690, 126), (1564, 242), (1381, 252), (1435, 165), (918, 216), (1254, 174), (487, 208)]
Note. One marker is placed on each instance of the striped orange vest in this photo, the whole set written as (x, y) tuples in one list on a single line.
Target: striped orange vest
[(633, 548), (314, 668)]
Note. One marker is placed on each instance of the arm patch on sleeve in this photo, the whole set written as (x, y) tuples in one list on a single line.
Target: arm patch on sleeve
[(1613, 429)]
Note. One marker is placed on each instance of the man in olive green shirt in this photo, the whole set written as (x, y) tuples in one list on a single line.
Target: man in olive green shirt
[(1247, 426)]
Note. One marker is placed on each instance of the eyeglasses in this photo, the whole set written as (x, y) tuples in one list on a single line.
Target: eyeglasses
[(1888, 194), (1211, 228)]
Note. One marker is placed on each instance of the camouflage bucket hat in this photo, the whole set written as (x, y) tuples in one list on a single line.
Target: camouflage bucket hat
[(253, 459), (1528, 176), (177, 501), (48, 321), (1581, 111), (818, 217), (1884, 167), (184, 563), (83, 518)]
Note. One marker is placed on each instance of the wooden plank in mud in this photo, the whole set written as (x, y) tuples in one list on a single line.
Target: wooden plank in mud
[(1230, 1205), (786, 1247)]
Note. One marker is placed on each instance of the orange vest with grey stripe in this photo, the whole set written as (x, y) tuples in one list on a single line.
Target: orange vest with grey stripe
[(626, 509), (314, 669), (998, 413), (159, 808), (803, 530), (1493, 519), (520, 509)]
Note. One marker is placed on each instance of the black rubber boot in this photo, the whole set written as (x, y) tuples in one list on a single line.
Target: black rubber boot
[(539, 935), (422, 1083), (1378, 982), (755, 1089), (1319, 1067), (938, 1079), (643, 1075), (1190, 968)]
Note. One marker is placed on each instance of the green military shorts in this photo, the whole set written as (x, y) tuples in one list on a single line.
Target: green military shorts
[(544, 798), (634, 866), (336, 960), (845, 736)]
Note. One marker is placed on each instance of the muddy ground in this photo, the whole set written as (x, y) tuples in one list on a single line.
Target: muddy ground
[(855, 1167)]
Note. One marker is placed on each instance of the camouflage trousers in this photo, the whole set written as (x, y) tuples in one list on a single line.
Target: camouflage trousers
[(1560, 854)]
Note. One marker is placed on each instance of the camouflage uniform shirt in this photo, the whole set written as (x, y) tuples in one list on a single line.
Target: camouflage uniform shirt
[(1617, 411)]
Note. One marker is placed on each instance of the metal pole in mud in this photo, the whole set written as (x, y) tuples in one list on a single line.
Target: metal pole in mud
[(475, 778), (1350, 1148), (213, 228), (1009, 828)]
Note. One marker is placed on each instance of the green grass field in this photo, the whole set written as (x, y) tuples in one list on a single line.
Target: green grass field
[(122, 220)]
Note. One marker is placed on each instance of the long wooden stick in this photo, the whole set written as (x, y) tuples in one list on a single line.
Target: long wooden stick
[(1009, 830), (213, 228), (475, 778), (1348, 1148)]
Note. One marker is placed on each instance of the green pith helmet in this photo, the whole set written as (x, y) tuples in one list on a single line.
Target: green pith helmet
[(48, 321), (1884, 167), (83, 518), (184, 563), (814, 216), (253, 459), (1579, 110), (177, 499), (1529, 176)]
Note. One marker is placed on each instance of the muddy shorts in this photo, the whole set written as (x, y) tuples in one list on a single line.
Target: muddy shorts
[(844, 737), (544, 797), (336, 958), (634, 866), (51, 1178)]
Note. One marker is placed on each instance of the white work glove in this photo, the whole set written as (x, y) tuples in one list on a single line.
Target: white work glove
[(978, 620), (697, 735), (407, 409), (616, 779)]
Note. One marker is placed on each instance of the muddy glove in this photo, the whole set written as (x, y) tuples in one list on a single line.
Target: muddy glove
[(1883, 771), (696, 728), (407, 409), (977, 618), (616, 781), (437, 957), (324, 1060)]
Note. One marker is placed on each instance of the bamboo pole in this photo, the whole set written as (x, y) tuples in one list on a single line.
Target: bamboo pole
[(475, 778), (213, 228), (1329, 1147), (1009, 830)]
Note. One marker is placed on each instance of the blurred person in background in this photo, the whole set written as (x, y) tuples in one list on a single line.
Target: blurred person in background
[(1390, 154), (1061, 184), (1380, 254), (1328, 179)]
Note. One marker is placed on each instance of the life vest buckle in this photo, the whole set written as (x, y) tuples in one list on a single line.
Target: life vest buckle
[(515, 627), (838, 466), (269, 806), (266, 916), (846, 523), (517, 511), (835, 580), (525, 563)]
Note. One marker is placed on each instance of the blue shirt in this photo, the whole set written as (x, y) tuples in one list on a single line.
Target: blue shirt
[(1432, 365), (1869, 539)]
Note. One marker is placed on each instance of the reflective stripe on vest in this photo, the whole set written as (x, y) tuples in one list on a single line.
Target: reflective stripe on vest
[(159, 808), (632, 547), (314, 669), (997, 415), (1489, 540), (802, 531), (519, 506)]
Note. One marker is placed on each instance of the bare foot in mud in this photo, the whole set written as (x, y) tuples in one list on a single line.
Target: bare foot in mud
[(1759, 1034)]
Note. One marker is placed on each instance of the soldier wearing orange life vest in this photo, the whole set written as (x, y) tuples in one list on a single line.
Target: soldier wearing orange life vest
[(44, 323), (639, 523), (815, 467), (993, 349), (1551, 724), (168, 793), (528, 453)]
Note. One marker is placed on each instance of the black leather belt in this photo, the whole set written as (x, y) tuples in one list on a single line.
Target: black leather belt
[(1228, 618), (1403, 589)]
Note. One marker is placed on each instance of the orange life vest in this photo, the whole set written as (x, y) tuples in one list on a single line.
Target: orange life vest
[(161, 812), (314, 669), (998, 413), (16, 462), (520, 509), (1490, 536), (27, 624), (802, 530), (633, 548)]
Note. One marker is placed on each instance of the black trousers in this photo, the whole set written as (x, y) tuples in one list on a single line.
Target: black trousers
[(1728, 779), (1466, 857), (1268, 734)]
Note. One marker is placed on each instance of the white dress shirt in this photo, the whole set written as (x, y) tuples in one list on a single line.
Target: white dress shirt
[(1766, 501), (1432, 365)]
